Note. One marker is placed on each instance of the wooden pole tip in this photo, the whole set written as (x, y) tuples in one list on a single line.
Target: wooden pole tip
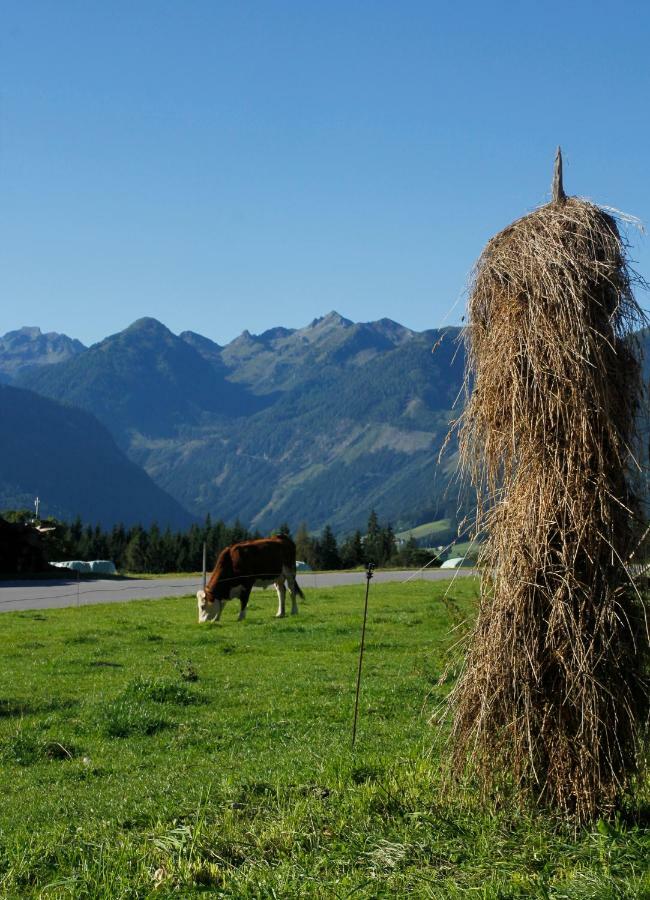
[(558, 187)]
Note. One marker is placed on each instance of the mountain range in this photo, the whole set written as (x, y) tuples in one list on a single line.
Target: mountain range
[(319, 424)]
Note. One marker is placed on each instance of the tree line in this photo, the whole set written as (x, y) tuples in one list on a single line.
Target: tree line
[(378, 545), (155, 550)]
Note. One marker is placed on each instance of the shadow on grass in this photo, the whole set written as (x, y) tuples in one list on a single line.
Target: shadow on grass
[(136, 710), (27, 747), (125, 717), (11, 707)]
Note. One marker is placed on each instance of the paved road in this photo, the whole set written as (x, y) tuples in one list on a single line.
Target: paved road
[(23, 595)]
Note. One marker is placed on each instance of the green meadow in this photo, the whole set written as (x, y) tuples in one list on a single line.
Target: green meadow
[(144, 755)]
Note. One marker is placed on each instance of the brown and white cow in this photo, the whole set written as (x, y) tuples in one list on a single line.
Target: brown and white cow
[(243, 565)]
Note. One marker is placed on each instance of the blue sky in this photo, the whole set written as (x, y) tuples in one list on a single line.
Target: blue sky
[(223, 166)]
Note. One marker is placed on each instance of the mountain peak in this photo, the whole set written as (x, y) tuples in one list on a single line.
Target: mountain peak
[(391, 330), (244, 339), (332, 319), (272, 334), (28, 347), (147, 324)]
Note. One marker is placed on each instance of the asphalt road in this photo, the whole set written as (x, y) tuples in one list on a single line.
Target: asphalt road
[(45, 594)]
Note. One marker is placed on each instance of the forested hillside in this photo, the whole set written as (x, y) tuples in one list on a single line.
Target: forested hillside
[(68, 459)]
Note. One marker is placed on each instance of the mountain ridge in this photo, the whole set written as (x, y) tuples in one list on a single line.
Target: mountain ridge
[(29, 347), (320, 423)]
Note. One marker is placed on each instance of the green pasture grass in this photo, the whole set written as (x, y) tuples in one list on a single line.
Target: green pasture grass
[(144, 755), (462, 549), (426, 530), (440, 529)]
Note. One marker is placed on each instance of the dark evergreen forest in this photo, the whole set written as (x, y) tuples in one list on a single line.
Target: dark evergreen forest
[(158, 551)]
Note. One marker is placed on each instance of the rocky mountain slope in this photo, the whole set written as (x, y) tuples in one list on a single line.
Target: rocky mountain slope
[(27, 348)]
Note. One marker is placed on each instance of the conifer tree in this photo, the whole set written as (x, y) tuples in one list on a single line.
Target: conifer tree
[(352, 552), (329, 557)]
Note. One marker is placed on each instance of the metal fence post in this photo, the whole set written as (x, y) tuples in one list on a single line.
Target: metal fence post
[(369, 569)]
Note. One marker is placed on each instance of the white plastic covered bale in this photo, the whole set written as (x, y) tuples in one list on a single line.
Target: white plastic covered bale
[(456, 563), (76, 565), (103, 567)]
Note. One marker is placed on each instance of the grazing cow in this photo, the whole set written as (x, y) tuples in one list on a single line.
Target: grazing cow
[(241, 566)]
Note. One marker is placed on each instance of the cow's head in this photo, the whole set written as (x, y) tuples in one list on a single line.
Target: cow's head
[(209, 607)]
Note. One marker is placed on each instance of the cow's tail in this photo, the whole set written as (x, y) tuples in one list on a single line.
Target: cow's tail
[(297, 588)]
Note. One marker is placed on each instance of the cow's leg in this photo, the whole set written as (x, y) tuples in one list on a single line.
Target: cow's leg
[(243, 602), (280, 588), (293, 590)]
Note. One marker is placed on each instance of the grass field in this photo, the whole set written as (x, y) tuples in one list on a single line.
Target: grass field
[(431, 530), (439, 532), (145, 755)]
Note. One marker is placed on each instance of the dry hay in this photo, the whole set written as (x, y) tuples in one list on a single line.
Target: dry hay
[(552, 696)]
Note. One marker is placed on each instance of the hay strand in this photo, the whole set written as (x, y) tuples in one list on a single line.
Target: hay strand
[(553, 697)]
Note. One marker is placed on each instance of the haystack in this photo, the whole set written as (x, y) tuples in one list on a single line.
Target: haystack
[(553, 698)]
